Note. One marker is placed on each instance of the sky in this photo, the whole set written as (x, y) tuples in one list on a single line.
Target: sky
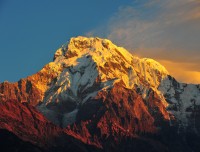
[(165, 30)]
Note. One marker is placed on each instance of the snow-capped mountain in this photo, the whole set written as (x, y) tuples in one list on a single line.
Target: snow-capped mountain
[(87, 66), (102, 95)]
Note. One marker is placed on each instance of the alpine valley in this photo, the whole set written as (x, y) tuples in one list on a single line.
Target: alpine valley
[(97, 97)]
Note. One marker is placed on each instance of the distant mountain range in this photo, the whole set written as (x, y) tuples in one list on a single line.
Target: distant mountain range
[(97, 97)]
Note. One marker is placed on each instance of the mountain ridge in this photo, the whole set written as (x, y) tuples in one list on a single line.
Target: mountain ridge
[(103, 95)]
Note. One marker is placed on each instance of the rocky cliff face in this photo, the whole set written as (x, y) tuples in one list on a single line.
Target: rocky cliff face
[(31, 89), (24, 128), (102, 96), (184, 103)]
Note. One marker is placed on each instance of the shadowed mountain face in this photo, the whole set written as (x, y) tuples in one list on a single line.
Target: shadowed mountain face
[(96, 96), (11, 143), (23, 128)]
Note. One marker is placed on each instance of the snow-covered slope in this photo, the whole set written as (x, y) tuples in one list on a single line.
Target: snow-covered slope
[(184, 102), (90, 65)]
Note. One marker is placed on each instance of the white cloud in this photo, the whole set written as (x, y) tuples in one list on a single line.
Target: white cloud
[(160, 29)]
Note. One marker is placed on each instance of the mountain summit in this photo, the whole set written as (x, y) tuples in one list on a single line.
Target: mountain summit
[(87, 66), (100, 94)]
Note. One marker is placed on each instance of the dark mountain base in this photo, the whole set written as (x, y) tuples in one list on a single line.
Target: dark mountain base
[(148, 143), (11, 143)]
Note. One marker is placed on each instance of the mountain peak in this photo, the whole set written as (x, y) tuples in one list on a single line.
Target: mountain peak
[(78, 46), (83, 63), (86, 66), (111, 61)]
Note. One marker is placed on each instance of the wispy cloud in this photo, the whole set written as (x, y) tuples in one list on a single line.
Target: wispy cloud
[(161, 29)]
